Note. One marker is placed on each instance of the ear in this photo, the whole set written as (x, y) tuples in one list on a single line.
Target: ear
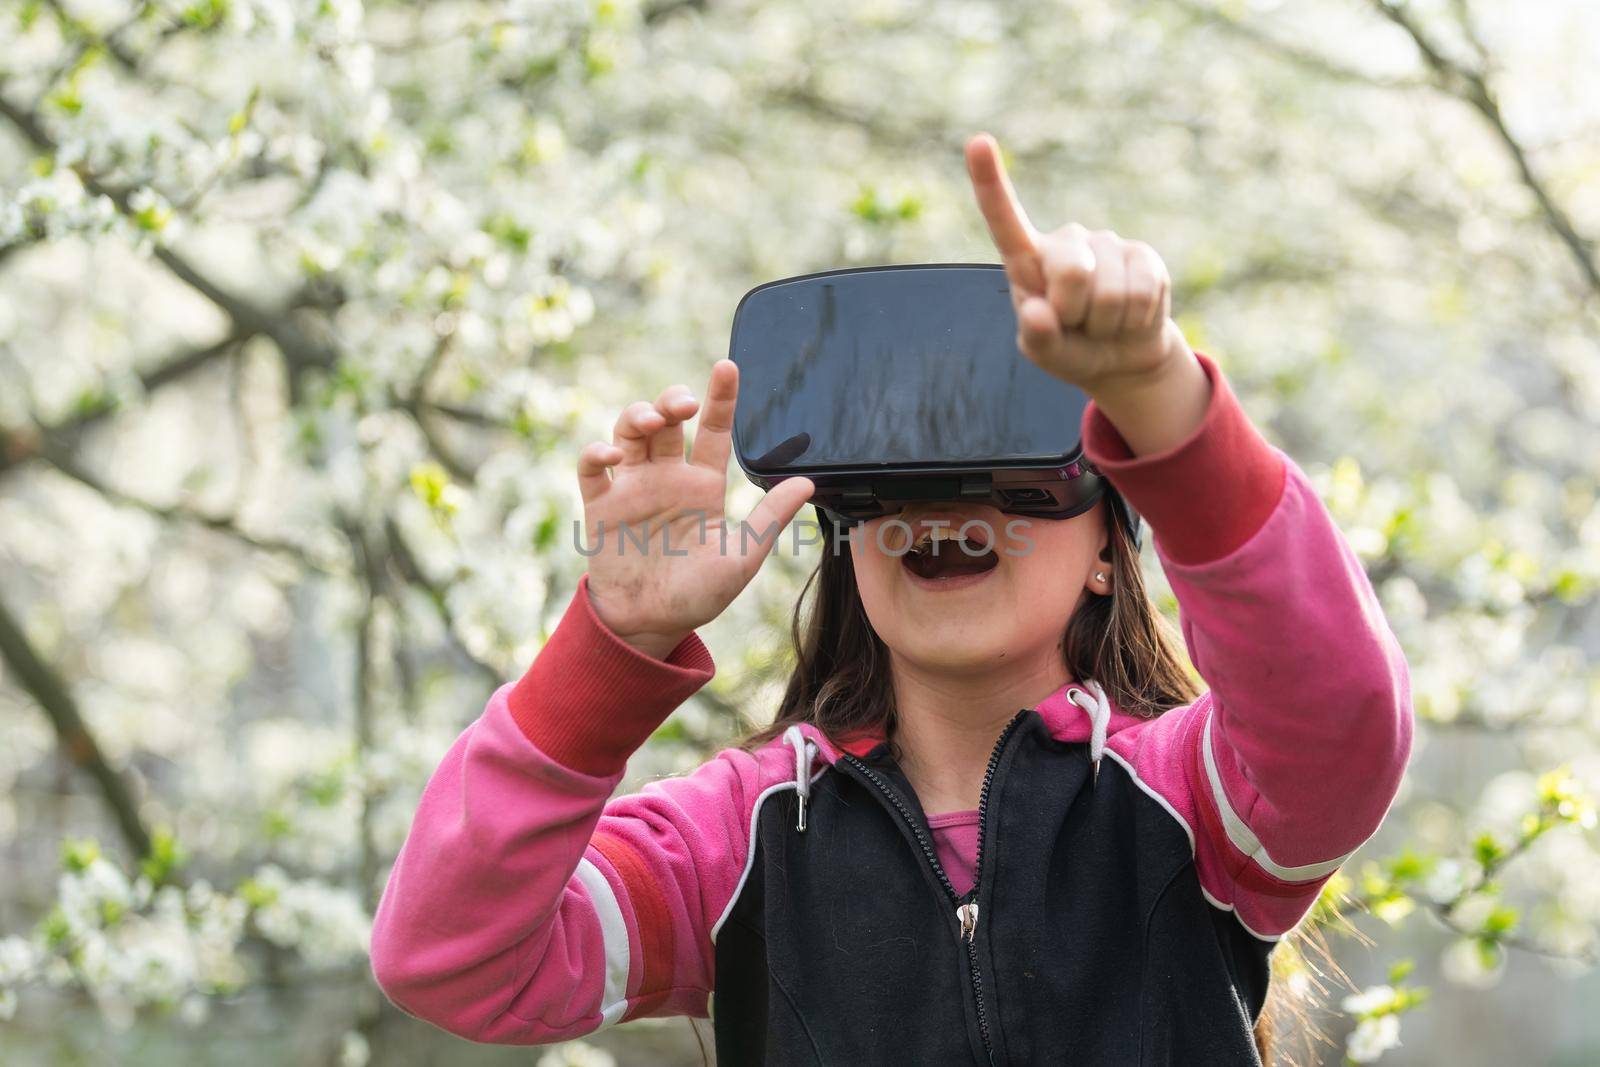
[(1098, 580)]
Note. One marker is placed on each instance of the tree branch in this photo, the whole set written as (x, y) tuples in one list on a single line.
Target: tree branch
[(18, 446), (1446, 918), (369, 573), (11, 248), (110, 42), (406, 565), (73, 736), (1472, 87), (298, 349), (1309, 60), (466, 416), (414, 402), (226, 525)]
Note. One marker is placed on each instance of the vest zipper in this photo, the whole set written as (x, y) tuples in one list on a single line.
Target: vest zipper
[(966, 906)]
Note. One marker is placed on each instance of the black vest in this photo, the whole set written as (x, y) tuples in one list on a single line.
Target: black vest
[(1091, 944)]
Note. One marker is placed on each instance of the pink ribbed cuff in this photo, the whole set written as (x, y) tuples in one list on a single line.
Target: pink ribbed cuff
[(590, 699), (1205, 496)]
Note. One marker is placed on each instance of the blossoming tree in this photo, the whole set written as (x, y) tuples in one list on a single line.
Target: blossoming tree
[(305, 308)]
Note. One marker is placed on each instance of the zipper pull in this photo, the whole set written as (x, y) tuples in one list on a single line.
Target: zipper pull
[(968, 914)]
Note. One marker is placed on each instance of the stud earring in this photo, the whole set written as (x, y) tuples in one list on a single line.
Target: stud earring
[(1099, 576)]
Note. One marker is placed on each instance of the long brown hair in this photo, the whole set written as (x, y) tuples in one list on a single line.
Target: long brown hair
[(842, 683)]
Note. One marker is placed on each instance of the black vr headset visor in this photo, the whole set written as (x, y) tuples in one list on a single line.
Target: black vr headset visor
[(889, 385)]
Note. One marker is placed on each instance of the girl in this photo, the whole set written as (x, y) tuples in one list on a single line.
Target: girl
[(906, 869)]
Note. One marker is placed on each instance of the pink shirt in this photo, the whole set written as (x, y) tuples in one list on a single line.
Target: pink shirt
[(955, 839)]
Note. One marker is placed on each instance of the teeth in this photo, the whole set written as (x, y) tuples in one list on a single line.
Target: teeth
[(942, 533)]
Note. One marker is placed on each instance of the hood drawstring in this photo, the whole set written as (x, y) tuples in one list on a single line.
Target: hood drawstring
[(1099, 710), (804, 752)]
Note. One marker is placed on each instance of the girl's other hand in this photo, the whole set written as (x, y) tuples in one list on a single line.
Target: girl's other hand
[(654, 521), (1095, 311)]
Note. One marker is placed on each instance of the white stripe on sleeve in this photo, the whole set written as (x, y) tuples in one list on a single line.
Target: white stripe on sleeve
[(1243, 838), (614, 933)]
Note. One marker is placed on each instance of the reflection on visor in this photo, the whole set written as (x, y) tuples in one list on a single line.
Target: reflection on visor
[(786, 452)]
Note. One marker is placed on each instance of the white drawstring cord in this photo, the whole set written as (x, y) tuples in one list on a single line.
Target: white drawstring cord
[(804, 752), (1099, 719)]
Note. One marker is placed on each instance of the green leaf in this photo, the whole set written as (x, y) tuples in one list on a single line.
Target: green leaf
[(544, 535), (431, 484), (205, 14), (599, 57), (241, 118), (1487, 850), (871, 205), (672, 730), (508, 231), (55, 931), (1501, 921), (94, 401), (77, 854), (255, 894), (1409, 866), (165, 858), (66, 99)]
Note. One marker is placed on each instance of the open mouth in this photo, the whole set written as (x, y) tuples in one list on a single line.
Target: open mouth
[(943, 553)]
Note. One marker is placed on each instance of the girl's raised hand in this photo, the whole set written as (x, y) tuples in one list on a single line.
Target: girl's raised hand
[(1094, 310), (659, 564)]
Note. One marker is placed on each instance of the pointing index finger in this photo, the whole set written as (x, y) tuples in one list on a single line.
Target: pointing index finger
[(1013, 234)]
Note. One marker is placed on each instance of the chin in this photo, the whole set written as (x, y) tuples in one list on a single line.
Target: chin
[(952, 649)]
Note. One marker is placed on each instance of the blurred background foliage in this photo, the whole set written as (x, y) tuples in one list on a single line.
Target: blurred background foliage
[(306, 308)]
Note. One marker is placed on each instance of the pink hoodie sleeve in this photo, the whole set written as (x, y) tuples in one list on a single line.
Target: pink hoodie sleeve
[(526, 908), (1292, 759)]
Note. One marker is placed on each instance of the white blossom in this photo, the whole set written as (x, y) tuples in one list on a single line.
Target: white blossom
[(1369, 1000), (577, 1054), (325, 923), (1372, 1038)]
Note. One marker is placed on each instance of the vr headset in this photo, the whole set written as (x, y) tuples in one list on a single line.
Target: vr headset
[(894, 384)]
